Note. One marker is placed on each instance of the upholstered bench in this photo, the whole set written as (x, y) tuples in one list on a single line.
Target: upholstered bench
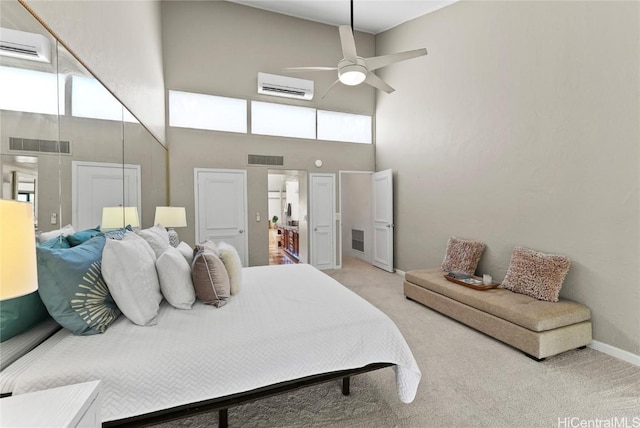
[(538, 328)]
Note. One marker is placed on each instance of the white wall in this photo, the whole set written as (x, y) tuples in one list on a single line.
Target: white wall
[(275, 206), (521, 127), (291, 184), (120, 42), (274, 183)]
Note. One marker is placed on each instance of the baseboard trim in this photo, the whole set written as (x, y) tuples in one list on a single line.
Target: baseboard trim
[(400, 272), (615, 352)]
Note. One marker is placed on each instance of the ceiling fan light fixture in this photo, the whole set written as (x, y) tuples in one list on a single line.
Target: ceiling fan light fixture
[(352, 75)]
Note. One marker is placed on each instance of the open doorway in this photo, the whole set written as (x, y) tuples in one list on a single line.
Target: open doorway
[(288, 236), (366, 217), (356, 216)]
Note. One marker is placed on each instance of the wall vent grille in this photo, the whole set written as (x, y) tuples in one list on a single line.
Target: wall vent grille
[(357, 240), (286, 91), (42, 146), (266, 160)]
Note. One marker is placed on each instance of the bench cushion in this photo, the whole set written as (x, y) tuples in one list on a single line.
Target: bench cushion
[(525, 311)]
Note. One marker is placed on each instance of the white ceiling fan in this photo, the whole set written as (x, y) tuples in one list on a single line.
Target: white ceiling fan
[(353, 69)]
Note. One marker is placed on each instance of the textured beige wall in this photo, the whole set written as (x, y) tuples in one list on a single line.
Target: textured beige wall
[(521, 127), (121, 43), (218, 48)]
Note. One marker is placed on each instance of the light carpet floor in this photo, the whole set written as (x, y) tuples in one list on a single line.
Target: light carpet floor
[(468, 380)]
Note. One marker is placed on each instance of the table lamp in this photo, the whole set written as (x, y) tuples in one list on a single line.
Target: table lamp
[(18, 267), (171, 217), (119, 217)]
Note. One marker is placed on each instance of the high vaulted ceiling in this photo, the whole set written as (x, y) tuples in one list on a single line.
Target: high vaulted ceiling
[(370, 16)]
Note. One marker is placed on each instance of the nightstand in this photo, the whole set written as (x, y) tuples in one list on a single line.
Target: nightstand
[(67, 406)]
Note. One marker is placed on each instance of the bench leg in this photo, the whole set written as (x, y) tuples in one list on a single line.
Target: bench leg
[(535, 358), (223, 418), (346, 382)]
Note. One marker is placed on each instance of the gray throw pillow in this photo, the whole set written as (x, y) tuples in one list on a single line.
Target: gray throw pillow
[(210, 278)]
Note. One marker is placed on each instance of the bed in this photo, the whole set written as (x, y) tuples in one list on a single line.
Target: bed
[(289, 325)]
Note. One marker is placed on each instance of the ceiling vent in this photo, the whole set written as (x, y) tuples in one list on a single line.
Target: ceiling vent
[(283, 86), (20, 44)]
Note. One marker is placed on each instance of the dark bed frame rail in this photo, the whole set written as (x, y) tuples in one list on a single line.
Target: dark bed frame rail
[(222, 404)]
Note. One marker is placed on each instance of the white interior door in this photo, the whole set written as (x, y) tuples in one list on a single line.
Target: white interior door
[(322, 220), (221, 208), (382, 204), (303, 224), (97, 185)]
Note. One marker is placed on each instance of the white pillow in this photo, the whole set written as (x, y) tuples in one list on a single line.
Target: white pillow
[(157, 237), (186, 250), (174, 274), (129, 269), (232, 263), (128, 235), (65, 231)]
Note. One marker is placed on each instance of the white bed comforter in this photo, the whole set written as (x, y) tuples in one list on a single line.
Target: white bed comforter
[(287, 322)]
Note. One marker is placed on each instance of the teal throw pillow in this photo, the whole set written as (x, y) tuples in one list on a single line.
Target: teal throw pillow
[(19, 314), (83, 236), (59, 242), (72, 288)]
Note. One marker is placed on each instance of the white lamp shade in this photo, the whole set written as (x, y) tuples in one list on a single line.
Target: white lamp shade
[(171, 216), (119, 217), (18, 268)]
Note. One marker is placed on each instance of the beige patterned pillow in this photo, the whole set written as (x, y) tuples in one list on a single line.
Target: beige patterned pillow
[(210, 278), (231, 259), (462, 255), (536, 274)]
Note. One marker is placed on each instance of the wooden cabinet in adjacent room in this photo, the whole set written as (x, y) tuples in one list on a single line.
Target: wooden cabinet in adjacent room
[(290, 241)]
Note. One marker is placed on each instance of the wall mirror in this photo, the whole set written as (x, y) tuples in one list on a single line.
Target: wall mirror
[(67, 144)]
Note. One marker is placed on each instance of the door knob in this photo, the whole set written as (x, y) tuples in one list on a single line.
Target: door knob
[(241, 230), (315, 229)]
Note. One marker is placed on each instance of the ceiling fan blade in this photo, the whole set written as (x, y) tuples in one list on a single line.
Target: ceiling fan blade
[(348, 43), (329, 88), (303, 69), (378, 83), (376, 62)]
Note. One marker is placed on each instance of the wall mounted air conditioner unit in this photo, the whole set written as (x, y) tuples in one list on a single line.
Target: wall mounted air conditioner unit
[(20, 44), (283, 86)]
